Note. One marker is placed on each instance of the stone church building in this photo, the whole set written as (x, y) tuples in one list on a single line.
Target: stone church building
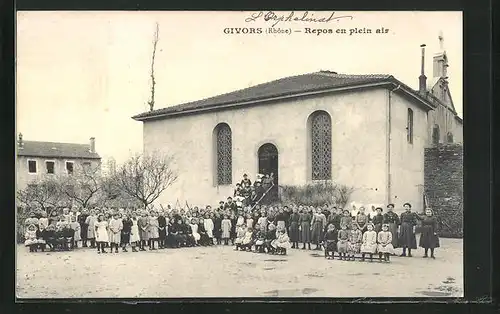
[(365, 131)]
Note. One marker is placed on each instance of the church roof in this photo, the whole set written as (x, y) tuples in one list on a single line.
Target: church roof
[(317, 82), (56, 150)]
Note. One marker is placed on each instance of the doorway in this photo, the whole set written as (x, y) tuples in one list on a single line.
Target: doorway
[(268, 163)]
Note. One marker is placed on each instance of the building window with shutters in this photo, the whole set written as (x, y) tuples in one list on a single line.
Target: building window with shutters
[(409, 127), (321, 145), (223, 154)]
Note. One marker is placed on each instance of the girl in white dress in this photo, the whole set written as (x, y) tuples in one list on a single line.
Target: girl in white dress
[(101, 233), (208, 223), (369, 245), (90, 222), (384, 239), (194, 230), (75, 226), (134, 233)]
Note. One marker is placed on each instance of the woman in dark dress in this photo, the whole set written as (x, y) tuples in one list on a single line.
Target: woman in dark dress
[(217, 227), (162, 230), (294, 228), (204, 239), (177, 234), (378, 219), (407, 239), (83, 226), (392, 219), (125, 232), (232, 233), (429, 238), (305, 228)]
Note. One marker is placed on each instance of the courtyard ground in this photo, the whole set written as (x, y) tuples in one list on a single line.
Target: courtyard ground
[(220, 271)]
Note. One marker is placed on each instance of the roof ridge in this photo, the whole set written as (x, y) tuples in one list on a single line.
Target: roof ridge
[(343, 75), (231, 92), (48, 142)]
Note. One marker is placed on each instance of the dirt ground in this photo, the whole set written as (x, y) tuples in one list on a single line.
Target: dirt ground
[(222, 272)]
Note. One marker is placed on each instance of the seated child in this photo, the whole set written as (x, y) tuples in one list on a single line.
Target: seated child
[(49, 235), (369, 245), (260, 238), (30, 236), (343, 237), (330, 241), (247, 242), (385, 247), (354, 243), (69, 236), (270, 237), (240, 235), (40, 239), (281, 243)]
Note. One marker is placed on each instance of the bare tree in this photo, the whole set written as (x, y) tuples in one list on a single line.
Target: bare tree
[(145, 177), (83, 185), (43, 193), (151, 102)]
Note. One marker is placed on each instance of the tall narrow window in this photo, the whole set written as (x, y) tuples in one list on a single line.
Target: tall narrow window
[(321, 146), (224, 155), (32, 166), (449, 137), (50, 167), (69, 167), (409, 127), (435, 134)]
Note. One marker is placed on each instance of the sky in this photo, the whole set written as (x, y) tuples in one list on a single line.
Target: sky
[(85, 74)]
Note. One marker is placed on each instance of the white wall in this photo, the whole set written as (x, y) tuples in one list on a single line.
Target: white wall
[(358, 144)]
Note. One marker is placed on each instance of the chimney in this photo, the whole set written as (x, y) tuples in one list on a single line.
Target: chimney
[(20, 141), (422, 79), (92, 144)]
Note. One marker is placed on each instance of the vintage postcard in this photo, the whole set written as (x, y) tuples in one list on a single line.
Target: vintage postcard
[(239, 154)]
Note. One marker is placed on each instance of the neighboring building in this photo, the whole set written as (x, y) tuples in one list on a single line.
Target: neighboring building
[(36, 160), (364, 131)]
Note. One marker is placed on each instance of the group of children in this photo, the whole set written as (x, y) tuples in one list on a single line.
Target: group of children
[(258, 228)]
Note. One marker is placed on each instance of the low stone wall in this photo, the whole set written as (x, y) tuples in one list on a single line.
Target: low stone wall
[(443, 167)]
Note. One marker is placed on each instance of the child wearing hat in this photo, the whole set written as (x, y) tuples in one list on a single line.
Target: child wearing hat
[(282, 241), (369, 245), (384, 239), (30, 235)]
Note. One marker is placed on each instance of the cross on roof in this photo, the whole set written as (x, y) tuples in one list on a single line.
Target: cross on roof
[(441, 40)]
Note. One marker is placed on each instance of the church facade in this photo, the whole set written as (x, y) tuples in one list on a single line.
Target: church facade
[(365, 131)]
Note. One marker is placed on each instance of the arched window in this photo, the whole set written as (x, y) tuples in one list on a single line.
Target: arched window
[(409, 127), (321, 146), (449, 137), (224, 157), (435, 134)]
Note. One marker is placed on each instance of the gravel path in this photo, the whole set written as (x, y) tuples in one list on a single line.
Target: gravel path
[(222, 272)]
